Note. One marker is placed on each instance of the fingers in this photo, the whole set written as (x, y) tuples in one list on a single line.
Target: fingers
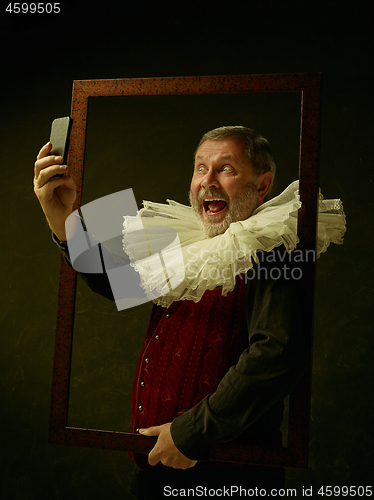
[(165, 450), (46, 192), (47, 167), (54, 182), (45, 162), (46, 173), (49, 174), (154, 457), (169, 458), (44, 151), (151, 431)]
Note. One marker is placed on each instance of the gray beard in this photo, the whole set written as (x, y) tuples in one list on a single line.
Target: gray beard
[(240, 208)]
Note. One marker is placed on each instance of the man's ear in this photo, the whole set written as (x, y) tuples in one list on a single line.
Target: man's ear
[(263, 185)]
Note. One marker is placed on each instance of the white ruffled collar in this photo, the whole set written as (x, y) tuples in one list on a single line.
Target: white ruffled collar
[(194, 263)]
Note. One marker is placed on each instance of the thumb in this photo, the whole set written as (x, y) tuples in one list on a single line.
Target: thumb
[(151, 431)]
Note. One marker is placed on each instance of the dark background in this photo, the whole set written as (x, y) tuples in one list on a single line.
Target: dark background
[(41, 56), (146, 143)]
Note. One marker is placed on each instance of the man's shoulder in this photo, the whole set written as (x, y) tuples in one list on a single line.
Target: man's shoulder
[(279, 264)]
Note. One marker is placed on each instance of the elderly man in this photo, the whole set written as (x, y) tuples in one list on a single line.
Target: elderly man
[(216, 369)]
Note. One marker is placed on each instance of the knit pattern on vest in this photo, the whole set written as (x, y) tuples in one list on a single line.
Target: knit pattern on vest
[(187, 350)]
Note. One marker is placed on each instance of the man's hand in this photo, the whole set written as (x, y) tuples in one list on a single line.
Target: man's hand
[(165, 450), (55, 194)]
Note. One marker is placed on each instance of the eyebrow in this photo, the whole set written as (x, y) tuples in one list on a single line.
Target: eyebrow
[(223, 157)]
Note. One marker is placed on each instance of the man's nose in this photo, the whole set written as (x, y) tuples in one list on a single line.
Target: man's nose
[(210, 180)]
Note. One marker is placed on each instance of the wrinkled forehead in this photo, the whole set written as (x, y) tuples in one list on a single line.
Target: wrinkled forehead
[(225, 147)]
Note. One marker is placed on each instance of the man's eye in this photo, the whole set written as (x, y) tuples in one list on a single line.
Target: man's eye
[(226, 168), (201, 169)]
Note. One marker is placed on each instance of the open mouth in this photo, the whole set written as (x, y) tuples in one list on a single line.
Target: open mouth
[(214, 207)]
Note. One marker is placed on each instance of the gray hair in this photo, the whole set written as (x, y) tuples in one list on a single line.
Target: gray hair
[(257, 148)]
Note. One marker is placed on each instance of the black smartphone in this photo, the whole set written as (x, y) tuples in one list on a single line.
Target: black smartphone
[(60, 135)]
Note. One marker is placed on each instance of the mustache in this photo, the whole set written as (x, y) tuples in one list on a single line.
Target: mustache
[(212, 193)]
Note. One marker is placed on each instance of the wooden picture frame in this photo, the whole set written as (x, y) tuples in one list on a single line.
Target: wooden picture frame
[(308, 85)]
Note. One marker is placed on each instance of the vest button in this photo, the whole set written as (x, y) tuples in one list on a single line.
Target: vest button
[(147, 360), (157, 337), (142, 383), (167, 316), (140, 408)]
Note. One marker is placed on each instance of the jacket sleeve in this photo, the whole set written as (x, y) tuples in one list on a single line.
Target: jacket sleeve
[(266, 371), (98, 282)]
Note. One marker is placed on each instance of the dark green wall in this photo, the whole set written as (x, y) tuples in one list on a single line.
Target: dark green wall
[(41, 56)]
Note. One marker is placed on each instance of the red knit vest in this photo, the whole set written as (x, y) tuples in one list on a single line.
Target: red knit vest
[(187, 350)]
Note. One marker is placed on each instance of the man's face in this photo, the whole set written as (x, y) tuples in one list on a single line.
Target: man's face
[(223, 186)]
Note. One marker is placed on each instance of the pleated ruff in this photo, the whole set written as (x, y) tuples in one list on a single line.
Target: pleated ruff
[(177, 261)]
